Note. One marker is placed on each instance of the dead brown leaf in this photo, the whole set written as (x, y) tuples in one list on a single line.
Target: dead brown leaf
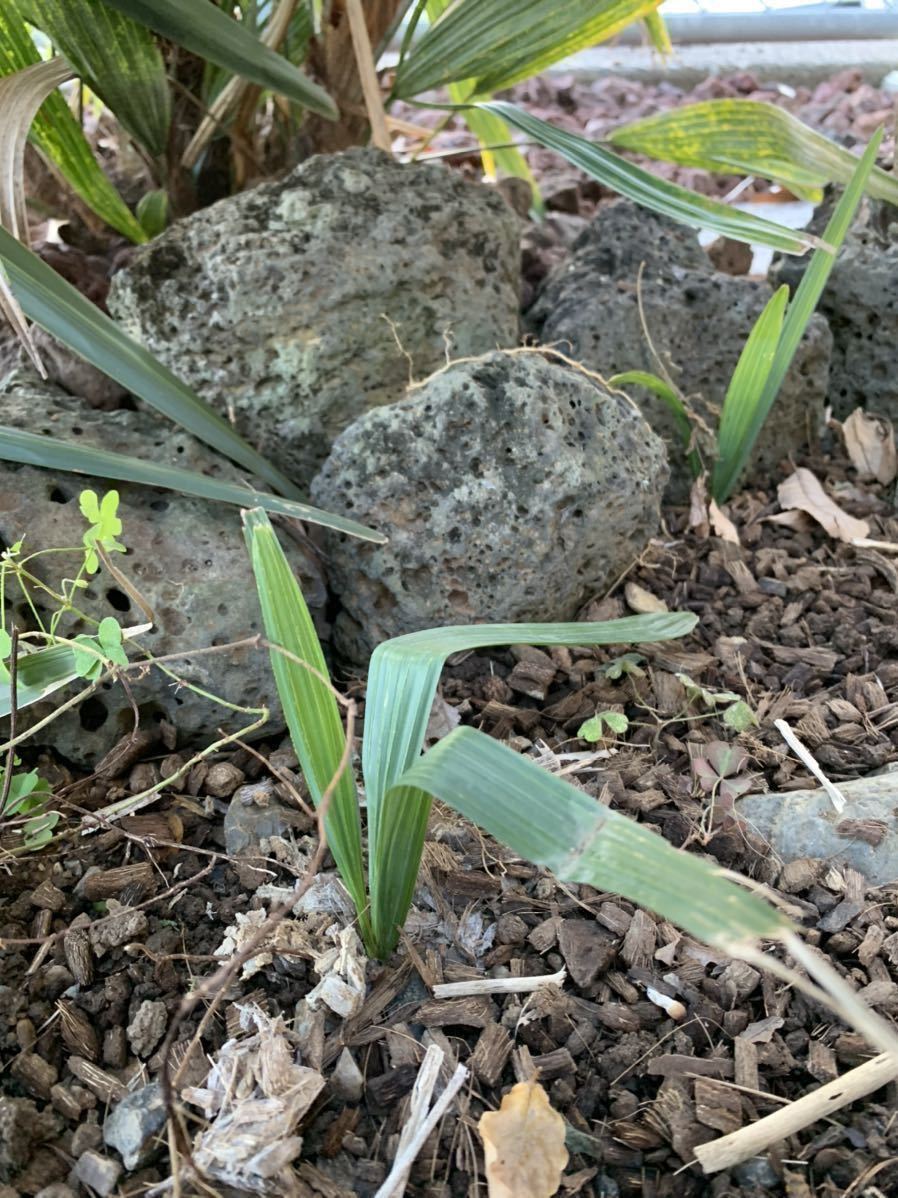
[(698, 507), (804, 491), (870, 441), (642, 601), (722, 524), (523, 1145)]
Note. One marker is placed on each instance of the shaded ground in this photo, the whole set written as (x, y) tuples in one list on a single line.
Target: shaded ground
[(803, 628)]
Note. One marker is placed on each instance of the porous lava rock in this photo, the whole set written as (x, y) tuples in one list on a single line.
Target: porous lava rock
[(512, 487)]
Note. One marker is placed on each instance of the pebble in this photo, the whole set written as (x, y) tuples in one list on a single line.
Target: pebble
[(132, 1125), (147, 1027), (756, 1172), (85, 1137), (223, 779), (98, 1173), (347, 1080)]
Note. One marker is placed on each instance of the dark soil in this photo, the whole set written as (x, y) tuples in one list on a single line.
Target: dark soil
[(800, 625), (803, 628)]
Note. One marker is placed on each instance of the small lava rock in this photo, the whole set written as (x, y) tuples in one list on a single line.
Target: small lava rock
[(513, 489), (98, 1173), (119, 927), (133, 1124), (147, 1027)]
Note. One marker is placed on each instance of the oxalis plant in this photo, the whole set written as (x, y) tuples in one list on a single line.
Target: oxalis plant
[(538, 815)]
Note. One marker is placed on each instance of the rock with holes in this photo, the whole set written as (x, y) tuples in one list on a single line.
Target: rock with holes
[(185, 556), (513, 489), (298, 305), (860, 302), (696, 319)]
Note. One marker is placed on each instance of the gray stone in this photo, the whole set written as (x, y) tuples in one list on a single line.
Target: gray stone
[(757, 1172), (347, 1081), (98, 1173), (277, 304), (513, 489), (134, 1123), (698, 320), (185, 556), (254, 815), (804, 823), (22, 1128), (147, 1027), (860, 302), (64, 368)]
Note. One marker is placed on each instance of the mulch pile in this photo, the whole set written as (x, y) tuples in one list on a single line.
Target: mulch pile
[(105, 936)]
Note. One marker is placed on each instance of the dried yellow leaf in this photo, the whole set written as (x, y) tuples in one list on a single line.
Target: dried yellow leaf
[(523, 1145)]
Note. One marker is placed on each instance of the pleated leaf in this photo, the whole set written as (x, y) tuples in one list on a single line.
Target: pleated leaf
[(750, 137), (544, 819), (310, 709), (500, 42), (745, 392), (56, 306), (498, 157), (647, 189), (117, 58), (58, 136), (798, 313), (52, 453), (207, 31), (402, 682)]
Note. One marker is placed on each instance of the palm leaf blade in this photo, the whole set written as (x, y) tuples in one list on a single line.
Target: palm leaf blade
[(546, 820)]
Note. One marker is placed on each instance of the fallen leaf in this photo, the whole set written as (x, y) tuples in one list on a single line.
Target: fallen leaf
[(803, 490), (800, 521), (722, 524), (523, 1145), (698, 507), (870, 442), (642, 601)]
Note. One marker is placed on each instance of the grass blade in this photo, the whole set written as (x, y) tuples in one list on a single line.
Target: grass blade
[(207, 31), (800, 311), (56, 306), (744, 393), (672, 400), (750, 137), (58, 135), (640, 185), (52, 453), (310, 707), (402, 682), (548, 821), (497, 43), (38, 675), (117, 59)]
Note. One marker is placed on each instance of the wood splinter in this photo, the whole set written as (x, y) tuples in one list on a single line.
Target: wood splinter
[(751, 1141)]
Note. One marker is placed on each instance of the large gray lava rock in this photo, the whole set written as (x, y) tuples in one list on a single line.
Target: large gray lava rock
[(298, 305), (185, 556), (697, 318), (860, 302), (512, 487)]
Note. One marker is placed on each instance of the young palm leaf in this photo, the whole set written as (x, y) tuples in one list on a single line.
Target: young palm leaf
[(546, 820), (751, 138), (52, 453), (210, 33), (671, 400), (58, 135), (117, 59), (402, 683), (310, 707), (58, 307), (744, 393), (798, 313), (679, 203), (496, 43)]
